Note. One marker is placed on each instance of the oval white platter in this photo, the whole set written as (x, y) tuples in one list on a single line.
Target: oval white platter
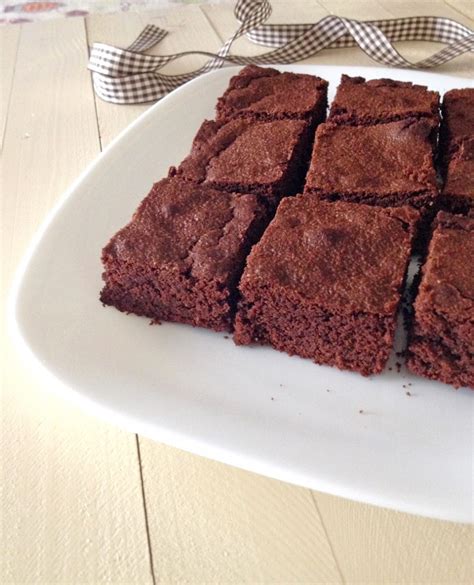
[(250, 407)]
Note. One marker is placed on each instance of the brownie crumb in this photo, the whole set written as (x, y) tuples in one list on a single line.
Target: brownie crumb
[(408, 393), (361, 411), (398, 366), (226, 337)]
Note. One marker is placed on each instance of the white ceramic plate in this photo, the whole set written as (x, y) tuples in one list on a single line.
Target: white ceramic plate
[(247, 406)]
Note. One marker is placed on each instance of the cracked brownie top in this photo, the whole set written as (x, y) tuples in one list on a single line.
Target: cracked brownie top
[(384, 159), (447, 284), (458, 118), (267, 94), (359, 101), (243, 153), (460, 174), (339, 255), (186, 228)]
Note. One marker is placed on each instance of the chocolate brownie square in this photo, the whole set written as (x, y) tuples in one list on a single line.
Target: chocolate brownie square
[(441, 345), (181, 256), (358, 101), (325, 282), (458, 191), (267, 94), (266, 158), (458, 120), (385, 164)]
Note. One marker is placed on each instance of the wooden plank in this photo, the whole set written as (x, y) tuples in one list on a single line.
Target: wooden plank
[(464, 7), (377, 546), (209, 522), (213, 523), (448, 9), (9, 36), (71, 506)]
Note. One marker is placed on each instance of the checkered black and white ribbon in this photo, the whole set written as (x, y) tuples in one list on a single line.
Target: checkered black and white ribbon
[(128, 76)]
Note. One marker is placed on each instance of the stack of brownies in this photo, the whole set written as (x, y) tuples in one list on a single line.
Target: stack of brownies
[(226, 242)]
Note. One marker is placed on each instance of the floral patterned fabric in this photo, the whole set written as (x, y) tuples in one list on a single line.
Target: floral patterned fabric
[(21, 12)]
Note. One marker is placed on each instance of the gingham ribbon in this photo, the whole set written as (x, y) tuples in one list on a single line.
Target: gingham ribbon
[(128, 76)]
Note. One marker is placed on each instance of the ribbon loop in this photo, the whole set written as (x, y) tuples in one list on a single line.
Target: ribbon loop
[(148, 38)]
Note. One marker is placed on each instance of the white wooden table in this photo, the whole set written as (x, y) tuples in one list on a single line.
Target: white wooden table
[(83, 502)]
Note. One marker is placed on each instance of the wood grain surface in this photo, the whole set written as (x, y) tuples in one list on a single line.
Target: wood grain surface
[(82, 502), (72, 506)]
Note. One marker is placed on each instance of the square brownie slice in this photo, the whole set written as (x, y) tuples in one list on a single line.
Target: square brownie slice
[(358, 101), (266, 158), (262, 93), (458, 190), (181, 256), (441, 345), (325, 282), (458, 121), (385, 164)]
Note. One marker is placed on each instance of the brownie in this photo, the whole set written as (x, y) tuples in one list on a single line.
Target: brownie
[(180, 257), (266, 158), (441, 345), (385, 164), (458, 191), (325, 281), (267, 94), (358, 101), (458, 120)]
